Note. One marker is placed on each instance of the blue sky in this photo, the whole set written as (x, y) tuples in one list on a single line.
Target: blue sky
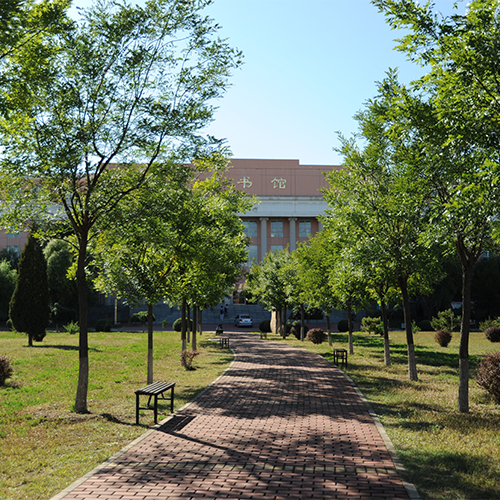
[(309, 67)]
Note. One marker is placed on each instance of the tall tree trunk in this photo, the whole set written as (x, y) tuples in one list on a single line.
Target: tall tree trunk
[(83, 350), (193, 330), (200, 321), (188, 320), (468, 259), (412, 361), (350, 327), (302, 322), (183, 324), (329, 328), (283, 324), (385, 326), (150, 344), (280, 321)]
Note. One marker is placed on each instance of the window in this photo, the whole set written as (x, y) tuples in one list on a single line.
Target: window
[(250, 228), (276, 229), (14, 250), (13, 235), (304, 228), (252, 254), (275, 248)]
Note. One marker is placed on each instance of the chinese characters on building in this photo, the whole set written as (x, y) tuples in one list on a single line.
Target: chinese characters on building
[(278, 183), (246, 182)]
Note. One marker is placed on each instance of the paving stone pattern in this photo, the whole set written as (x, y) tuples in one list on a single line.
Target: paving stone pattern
[(281, 423)]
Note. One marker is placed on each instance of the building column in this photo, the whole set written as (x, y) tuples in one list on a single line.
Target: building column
[(263, 237), (293, 238)]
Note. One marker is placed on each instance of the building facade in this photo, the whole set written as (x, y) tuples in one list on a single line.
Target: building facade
[(13, 241), (289, 202)]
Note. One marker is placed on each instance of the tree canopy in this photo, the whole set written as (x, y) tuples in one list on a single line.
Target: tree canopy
[(94, 105), (454, 110)]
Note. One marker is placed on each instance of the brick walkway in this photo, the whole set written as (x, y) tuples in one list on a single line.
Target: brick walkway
[(281, 423)]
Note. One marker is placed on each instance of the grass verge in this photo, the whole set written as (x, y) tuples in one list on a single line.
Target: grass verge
[(448, 455), (44, 446)]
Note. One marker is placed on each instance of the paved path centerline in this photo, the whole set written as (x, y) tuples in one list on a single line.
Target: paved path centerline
[(280, 423)]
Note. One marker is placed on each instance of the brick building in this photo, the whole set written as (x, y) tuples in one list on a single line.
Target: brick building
[(290, 202)]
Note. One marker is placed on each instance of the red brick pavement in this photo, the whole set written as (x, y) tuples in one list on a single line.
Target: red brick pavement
[(280, 423)]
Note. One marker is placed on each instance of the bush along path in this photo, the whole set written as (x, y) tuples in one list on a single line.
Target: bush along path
[(281, 422)]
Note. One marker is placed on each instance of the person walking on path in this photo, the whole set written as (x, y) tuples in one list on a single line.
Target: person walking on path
[(280, 423)]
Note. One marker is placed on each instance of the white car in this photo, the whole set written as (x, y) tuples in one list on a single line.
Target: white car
[(243, 320)]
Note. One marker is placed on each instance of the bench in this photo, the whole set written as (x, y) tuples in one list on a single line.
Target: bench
[(340, 355), (223, 342), (154, 390)]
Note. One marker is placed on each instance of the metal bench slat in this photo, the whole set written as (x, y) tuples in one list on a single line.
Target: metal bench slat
[(155, 388)]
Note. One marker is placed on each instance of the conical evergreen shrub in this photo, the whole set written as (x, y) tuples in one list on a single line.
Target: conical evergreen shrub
[(29, 306)]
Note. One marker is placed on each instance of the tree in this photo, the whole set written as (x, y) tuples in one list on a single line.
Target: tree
[(125, 89), (314, 269), (8, 277), (176, 239), (20, 22), (11, 255), (347, 282), (378, 203), (29, 306), (268, 281), (456, 114), (60, 260)]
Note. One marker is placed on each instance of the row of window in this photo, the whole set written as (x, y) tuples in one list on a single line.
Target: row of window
[(277, 228)]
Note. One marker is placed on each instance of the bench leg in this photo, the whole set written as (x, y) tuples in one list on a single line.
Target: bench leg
[(137, 409), (156, 409)]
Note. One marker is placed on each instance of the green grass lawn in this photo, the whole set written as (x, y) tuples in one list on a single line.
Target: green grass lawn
[(448, 455), (44, 446)]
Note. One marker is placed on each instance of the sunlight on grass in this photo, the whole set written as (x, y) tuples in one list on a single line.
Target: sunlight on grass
[(448, 455), (44, 447)]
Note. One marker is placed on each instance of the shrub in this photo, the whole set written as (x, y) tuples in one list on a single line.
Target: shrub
[(6, 370), (446, 320), (295, 330), (372, 325), (343, 325), (425, 325), (177, 324), (72, 328), (10, 325), (488, 375), (492, 333), (164, 324), (265, 326), (414, 327), (103, 325), (316, 335), (443, 337), (488, 322), (140, 317), (187, 358)]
